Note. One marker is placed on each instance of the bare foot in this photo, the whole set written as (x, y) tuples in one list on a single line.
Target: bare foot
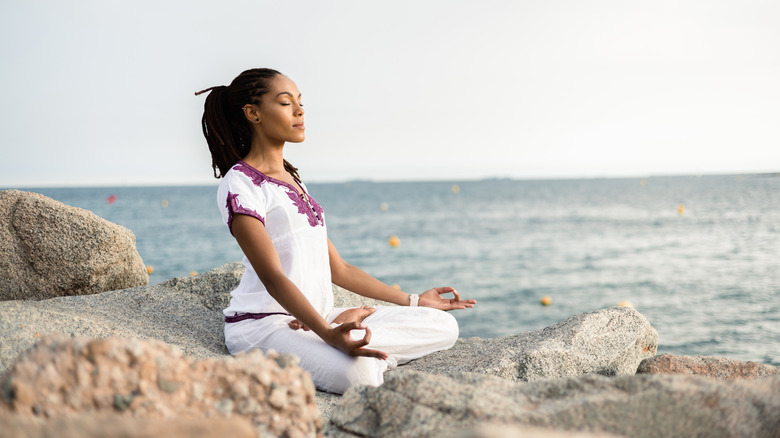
[(357, 314)]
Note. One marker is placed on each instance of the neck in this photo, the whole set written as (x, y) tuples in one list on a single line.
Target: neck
[(268, 159)]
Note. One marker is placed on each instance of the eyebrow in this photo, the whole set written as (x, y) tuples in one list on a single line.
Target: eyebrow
[(287, 93)]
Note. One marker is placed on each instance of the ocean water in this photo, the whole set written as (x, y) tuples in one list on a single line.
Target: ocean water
[(698, 256)]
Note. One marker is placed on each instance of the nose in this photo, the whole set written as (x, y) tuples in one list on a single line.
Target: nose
[(299, 110)]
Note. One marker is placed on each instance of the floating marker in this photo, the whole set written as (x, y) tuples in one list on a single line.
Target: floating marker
[(164, 203), (625, 303), (111, 199), (455, 189), (545, 301), (150, 270), (397, 286), (642, 182), (394, 241), (193, 273), (383, 206), (680, 209)]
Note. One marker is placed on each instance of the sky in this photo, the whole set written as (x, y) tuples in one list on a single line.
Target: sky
[(101, 93)]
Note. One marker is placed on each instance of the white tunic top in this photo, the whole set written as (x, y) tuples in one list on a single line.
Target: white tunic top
[(297, 230)]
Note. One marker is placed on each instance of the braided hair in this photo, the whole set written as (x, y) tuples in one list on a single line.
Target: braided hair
[(227, 132)]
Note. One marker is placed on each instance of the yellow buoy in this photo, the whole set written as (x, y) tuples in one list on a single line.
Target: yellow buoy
[(193, 273), (394, 241), (680, 209), (397, 286), (150, 269), (455, 188), (383, 206), (545, 301), (164, 203), (625, 303)]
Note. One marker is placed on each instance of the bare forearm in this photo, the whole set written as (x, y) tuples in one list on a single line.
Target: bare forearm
[(290, 297), (356, 280)]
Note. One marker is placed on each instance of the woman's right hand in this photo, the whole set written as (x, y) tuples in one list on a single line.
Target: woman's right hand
[(340, 338)]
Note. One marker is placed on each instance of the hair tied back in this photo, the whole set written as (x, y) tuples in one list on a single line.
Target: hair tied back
[(198, 93)]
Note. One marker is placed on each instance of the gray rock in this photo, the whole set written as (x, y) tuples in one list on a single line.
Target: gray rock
[(720, 368), (610, 342), (51, 249), (178, 317), (414, 404)]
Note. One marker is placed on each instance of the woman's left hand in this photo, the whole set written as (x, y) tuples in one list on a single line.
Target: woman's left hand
[(432, 298)]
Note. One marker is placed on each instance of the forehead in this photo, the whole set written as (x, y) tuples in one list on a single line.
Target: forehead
[(282, 84)]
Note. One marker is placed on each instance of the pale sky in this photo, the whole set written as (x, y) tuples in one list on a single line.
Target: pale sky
[(101, 92)]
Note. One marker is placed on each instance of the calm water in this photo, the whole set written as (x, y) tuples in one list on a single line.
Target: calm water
[(698, 256)]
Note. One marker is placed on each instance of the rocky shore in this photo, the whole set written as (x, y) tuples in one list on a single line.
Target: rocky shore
[(150, 360)]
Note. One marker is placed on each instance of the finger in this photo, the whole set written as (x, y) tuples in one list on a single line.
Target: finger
[(367, 337), (457, 295), (444, 290)]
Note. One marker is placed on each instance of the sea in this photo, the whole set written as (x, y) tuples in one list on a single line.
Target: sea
[(698, 256)]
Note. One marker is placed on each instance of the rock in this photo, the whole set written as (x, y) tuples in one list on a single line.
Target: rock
[(414, 404), (610, 342), (719, 368), (156, 312), (51, 249), (96, 426), (151, 379)]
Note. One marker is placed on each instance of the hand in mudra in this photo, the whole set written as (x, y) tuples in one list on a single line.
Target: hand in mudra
[(432, 298)]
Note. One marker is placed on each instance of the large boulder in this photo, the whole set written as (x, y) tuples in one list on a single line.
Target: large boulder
[(610, 342), (51, 249), (414, 404), (719, 368), (151, 379)]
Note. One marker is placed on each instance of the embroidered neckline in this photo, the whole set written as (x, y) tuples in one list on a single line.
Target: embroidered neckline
[(311, 209)]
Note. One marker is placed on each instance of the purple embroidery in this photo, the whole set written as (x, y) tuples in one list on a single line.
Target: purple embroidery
[(235, 208), (314, 213)]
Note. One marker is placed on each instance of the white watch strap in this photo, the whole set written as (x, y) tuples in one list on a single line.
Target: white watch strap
[(413, 300)]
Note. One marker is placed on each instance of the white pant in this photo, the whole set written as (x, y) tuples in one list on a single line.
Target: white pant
[(404, 333)]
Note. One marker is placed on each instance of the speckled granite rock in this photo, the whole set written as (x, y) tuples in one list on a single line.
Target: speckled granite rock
[(609, 342), (414, 404), (151, 379), (719, 368), (51, 249)]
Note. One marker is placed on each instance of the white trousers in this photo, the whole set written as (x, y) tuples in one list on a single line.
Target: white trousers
[(404, 333)]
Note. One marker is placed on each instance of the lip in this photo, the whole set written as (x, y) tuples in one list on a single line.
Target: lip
[(299, 126)]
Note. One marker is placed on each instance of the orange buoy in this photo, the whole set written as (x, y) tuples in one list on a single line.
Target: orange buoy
[(625, 303), (455, 189), (394, 241), (150, 269), (111, 199), (164, 203), (193, 273), (680, 209), (397, 286), (545, 301)]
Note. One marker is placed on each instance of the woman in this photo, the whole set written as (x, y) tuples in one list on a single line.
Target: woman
[(285, 300)]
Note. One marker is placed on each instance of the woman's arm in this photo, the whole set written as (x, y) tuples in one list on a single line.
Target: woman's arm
[(254, 240), (356, 280)]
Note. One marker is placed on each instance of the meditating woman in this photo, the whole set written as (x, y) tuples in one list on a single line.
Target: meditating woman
[(285, 299)]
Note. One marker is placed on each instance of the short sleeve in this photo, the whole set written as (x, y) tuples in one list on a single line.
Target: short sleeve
[(237, 194)]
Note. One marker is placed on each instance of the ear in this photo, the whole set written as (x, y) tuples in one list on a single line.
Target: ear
[(252, 113)]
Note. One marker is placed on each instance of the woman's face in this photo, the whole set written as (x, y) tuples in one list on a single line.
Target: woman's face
[(281, 112)]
